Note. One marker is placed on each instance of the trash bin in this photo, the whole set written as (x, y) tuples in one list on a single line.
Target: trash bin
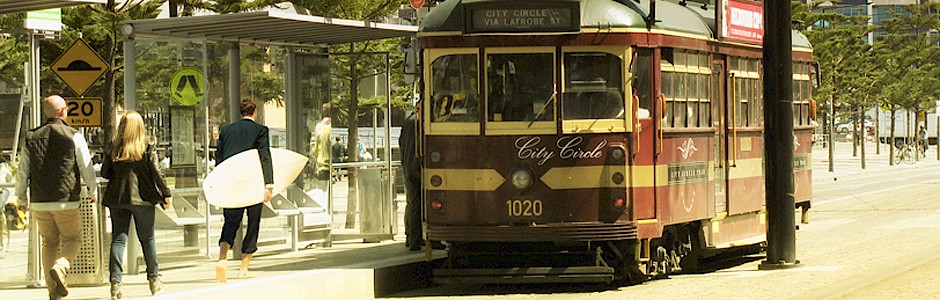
[(374, 205), (90, 267)]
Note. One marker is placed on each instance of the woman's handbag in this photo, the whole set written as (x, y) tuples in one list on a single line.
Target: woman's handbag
[(147, 179)]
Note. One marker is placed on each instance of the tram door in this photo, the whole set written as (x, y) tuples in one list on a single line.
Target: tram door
[(719, 120)]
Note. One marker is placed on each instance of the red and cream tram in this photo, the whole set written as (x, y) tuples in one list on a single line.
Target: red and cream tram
[(595, 140)]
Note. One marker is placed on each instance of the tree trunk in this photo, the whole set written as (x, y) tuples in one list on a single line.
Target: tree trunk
[(110, 95), (352, 143), (891, 142), (862, 132)]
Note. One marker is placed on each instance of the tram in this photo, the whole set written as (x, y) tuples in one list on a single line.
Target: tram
[(596, 140)]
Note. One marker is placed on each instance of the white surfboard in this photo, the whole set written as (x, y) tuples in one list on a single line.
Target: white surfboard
[(238, 182)]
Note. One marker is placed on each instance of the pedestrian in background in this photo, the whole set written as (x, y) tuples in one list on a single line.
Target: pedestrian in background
[(922, 139), (135, 187), (321, 148), (339, 151), (53, 164), (233, 139)]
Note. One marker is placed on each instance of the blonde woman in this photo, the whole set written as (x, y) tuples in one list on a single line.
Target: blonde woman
[(135, 187)]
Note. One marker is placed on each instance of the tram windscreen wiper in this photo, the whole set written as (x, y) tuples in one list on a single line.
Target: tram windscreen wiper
[(548, 102)]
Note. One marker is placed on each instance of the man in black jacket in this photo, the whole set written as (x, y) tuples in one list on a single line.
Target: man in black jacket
[(53, 164), (233, 139), (411, 165)]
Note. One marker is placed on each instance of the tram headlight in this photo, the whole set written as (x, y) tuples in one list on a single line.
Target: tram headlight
[(522, 179), (435, 156), (616, 153), (617, 178)]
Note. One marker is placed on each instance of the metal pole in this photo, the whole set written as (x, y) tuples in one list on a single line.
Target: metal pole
[(34, 275), (832, 132), (393, 211), (234, 82), (205, 140), (778, 137), (130, 73)]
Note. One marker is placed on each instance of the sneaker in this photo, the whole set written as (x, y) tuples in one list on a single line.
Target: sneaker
[(57, 273), (156, 285), (116, 291)]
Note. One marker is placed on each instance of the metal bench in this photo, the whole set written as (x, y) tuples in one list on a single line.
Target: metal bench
[(314, 220)]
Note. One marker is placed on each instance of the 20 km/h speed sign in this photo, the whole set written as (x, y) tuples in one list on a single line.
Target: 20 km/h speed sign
[(83, 112), (416, 4)]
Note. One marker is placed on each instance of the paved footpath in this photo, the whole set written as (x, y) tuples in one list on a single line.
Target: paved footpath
[(355, 270)]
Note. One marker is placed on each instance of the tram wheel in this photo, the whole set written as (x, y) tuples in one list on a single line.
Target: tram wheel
[(622, 256), (693, 241)]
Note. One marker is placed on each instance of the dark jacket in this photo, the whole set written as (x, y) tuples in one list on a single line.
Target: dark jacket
[(54, 175), (246, 135), (407, 142), (134, 182)]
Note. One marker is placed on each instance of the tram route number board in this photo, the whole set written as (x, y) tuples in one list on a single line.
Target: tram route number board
[(83, 112)]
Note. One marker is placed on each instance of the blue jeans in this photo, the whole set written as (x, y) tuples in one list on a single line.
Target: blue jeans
[(120, 222)]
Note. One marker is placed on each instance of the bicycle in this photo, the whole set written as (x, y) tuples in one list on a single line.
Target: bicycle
[(907, 153)]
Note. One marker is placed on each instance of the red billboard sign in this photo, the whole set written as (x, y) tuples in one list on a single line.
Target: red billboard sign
[(743, 20)]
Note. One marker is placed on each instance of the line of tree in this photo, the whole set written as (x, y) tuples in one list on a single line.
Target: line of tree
[(900, 69)]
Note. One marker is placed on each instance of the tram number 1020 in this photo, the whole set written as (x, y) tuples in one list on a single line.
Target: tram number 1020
[(524, 208)]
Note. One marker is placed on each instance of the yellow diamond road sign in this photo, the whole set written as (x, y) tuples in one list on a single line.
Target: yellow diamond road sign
[(79, 67)]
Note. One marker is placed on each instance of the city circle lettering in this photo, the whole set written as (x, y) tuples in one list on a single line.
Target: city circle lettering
[(531, 148), (521, 17)]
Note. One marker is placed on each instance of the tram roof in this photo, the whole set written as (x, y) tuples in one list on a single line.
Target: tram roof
[(671, 16), (18, 6), (448, 16), (269, 28)]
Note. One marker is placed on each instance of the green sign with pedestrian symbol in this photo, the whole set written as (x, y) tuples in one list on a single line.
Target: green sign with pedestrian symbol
[(186, 87)]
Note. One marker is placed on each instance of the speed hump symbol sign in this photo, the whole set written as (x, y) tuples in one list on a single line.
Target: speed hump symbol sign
[(186, 87), (79, 66), (83, 112)]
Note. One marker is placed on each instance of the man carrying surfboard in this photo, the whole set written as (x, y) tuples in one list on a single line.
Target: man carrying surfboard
[(235, 138)]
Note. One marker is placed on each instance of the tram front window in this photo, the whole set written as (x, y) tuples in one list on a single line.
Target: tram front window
[(520, 87), (593, 88), (454, 85)]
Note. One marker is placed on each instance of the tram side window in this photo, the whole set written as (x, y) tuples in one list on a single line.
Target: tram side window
[(454, 89), (757, 93), (593, 88), (685, 85), (520, 87), (801, 95), (643, 81), (668, 89), (747, 92)]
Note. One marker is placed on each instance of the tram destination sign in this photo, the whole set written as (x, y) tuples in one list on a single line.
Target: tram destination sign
[(563, 16)]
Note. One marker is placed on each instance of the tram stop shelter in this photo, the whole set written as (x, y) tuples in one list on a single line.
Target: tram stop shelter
[(184, 75)]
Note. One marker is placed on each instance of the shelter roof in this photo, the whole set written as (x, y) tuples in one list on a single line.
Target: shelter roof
[(18, 6), (268, 28)]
